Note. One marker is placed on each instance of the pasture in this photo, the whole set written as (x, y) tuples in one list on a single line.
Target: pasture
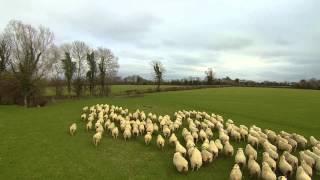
[(35, 144)]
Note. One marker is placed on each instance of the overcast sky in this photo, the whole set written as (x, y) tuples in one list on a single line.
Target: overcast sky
[(251, 39)]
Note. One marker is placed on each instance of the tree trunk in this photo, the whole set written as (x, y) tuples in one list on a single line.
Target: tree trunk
[(158, 85), (25, 101)]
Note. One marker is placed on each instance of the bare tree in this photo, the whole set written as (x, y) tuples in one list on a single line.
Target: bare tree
[(56, 69), (79, 52), (209, 76), (91, 74), (108, 68), (69, 69), (5, 52), (29, 63), (159, 70)]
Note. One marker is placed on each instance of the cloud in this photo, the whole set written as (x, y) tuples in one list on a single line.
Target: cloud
[(259, 40)]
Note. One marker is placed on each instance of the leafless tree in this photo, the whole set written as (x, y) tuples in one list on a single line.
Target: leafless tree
[(209, 76), (79, 52), (56, 69), (5, 52), (158, 70), (108, 67), (30, 47)]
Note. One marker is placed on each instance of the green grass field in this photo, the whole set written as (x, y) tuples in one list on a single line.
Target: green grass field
[(35, 144), (115, 89)]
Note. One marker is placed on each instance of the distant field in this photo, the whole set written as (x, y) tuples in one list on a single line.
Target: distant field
[(115, 89), (34, 143)]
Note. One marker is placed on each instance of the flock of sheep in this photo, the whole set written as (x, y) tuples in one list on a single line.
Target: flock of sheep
[(198, 128)]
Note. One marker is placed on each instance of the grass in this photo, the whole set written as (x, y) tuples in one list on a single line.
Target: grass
[(34, 143), (115, 89)]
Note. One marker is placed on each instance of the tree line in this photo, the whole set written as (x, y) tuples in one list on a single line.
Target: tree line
[(29, 58)]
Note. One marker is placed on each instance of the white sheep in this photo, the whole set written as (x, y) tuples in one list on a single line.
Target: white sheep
[(83, 116), (115, 132), (180, 148), (219, 144), (236, 173), (173, 138), (166, 131), (240, 158), (180, 162), (89, 125), (147, 138), (291, 159), (316, 150), (73, 129), (213, 149), (253, 140), (97, 138), (253, 167), (195, 158), (228, 149), (203, 135), (270, 161), (207, 156), (160, 141), (307, 158), (301, 174), (285, 167), (313, 141), (306, 168), (126, 133), (267, 173), (251, 151)]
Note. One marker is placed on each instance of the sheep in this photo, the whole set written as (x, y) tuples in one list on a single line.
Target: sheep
[(302, 141), (282, 178), (89, 126), (180, 162), (235, 135), (273, 154), (100, 129), (155, 127), (97, 138), (253, 167), (240, 158), (307, 158), (253, 140), (301, 174), (190, 143), (313, 141), (284, 146), (219, 144), (202, 135), (267, 173), (207, 156), (126, 133), (173, 138), (228, 149), (316, 150), (73, 129), (306, 168), (195, 136), (147, 138), (83, 116), (267, 159), (160, 141), (195, 158), (285, 167), (291, 159), (141, 128), (236, 173), (251, 151), (180, 148), (115, 132), (213, 149), (166, 131), (223, 136)]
